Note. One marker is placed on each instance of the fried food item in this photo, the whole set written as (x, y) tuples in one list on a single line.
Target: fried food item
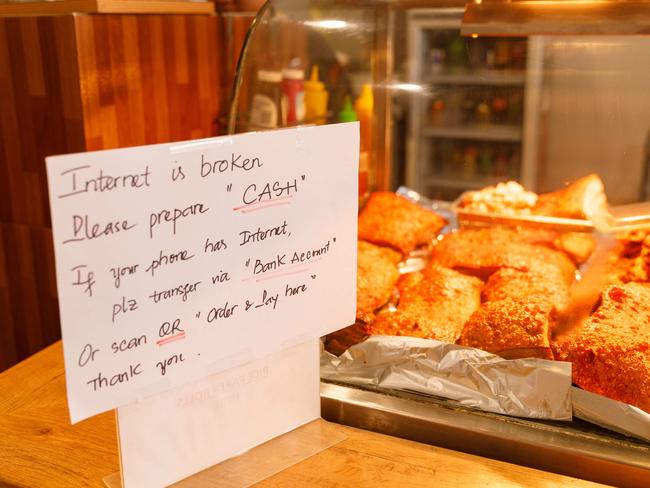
[(577, 245), (611, 351), (436, 307), (481, 252), (509, 198), (409, 279), (338, 342), (376, 277), (633, 260), (397, 323), (391, 220), (583, 199), (511, 328), (543, 282)]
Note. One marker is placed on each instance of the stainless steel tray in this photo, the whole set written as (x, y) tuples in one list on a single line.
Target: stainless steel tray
[(575, 448)]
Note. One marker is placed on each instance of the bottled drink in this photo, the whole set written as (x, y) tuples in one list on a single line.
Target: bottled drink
[(501, 165), (436, 60), (485, 160), (483, 113), (469, 162), (293, 93), (515, 107), (499, 109), (501, 53), (456, 54), (437, 111), (265, 106)]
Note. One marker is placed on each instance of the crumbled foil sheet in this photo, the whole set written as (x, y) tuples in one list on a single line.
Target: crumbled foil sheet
[(610, 414), (532, 388)]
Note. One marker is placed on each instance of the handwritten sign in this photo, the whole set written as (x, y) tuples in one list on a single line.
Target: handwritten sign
[(177, 261)]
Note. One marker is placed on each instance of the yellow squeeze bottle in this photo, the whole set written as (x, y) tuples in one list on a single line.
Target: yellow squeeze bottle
[(364, 106), (315, 99)]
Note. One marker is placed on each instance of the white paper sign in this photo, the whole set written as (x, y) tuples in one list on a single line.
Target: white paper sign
[(177, 261), (175, 434)]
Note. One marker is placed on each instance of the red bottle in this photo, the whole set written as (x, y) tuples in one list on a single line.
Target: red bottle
[(293, 94)]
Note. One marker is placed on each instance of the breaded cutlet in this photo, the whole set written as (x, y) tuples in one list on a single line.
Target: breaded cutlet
[(511, 328), (610, 352), (377, 274), (481, 252), (391, 220), (542, 281), (437, 306)]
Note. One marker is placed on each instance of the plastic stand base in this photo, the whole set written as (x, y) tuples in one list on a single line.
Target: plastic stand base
[(262, 461)]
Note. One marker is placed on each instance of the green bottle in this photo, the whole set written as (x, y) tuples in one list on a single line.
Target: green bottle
[(347, 113)]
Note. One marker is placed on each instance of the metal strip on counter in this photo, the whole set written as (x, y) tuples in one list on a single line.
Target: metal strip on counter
[(575, 449)]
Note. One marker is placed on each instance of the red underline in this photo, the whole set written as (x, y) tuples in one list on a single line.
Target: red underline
[(249, 205), (173, 338), (283, 274), (262, 207)]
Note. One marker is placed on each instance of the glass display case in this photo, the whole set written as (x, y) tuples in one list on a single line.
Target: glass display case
[(454, 98), (307, 62)]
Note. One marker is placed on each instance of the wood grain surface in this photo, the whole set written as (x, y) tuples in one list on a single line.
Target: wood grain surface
[(62, 7), (38, 447), (85, 82)]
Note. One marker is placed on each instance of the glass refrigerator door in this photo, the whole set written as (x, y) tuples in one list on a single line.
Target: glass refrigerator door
[(472, 118)]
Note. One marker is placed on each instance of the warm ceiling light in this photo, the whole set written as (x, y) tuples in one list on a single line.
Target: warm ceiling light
[(328, 24)]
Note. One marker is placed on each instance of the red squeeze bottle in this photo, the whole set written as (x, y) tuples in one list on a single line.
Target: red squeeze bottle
[(293, 94)]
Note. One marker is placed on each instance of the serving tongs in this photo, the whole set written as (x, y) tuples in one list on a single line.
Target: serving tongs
[(585, 292)]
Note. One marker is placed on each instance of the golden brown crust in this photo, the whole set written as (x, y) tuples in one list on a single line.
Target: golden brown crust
[(484, 251), (378, 252), (407, 280), (582, 199), (396, 323), (505, 326), (391, 220), (543, 282), (376, 277), (436, 306), (577, 245), (611, 351)]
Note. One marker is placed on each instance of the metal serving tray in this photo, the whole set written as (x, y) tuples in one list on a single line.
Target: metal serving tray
[(575, 448)]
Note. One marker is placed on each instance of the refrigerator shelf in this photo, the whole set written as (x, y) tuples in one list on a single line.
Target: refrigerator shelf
[(480, 77), (501, 133)]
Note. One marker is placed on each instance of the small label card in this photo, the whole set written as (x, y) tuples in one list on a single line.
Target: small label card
[(178, 261)]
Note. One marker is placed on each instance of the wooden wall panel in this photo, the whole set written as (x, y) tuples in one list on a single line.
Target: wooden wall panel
[(85, 82), (161, 74), (41, 111), (41, 114)]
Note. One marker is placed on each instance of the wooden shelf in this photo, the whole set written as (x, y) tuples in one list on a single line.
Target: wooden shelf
[(480, 77), (63, 7), (503, 133)]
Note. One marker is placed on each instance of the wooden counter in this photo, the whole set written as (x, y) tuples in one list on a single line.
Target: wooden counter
[(39, 448)]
